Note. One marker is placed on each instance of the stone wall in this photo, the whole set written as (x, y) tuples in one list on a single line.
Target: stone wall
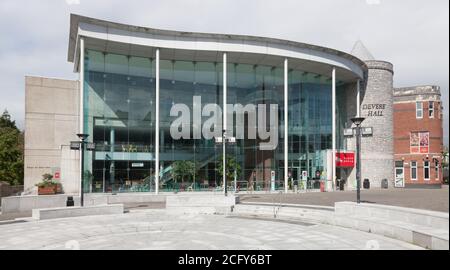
[(7, 190), (377, 151)]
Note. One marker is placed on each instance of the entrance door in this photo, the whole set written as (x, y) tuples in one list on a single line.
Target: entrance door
[(295, 174), (399, 177)]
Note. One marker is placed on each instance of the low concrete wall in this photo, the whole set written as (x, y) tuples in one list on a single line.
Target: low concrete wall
[(201, 204), (200, 201), (428, 229), (95, 199), (432, 219), (27, 203), (67, 212)]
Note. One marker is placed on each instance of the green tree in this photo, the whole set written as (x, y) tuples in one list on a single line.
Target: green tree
[(5, 121), (182, 169), (231, 166), (11, 151)]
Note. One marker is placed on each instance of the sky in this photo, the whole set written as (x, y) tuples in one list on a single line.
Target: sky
[(411, 34)]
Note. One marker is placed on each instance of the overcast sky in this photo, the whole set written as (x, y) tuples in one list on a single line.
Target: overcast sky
[(412, 34)]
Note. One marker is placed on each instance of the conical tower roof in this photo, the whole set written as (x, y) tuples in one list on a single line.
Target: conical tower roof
[(360, 51)]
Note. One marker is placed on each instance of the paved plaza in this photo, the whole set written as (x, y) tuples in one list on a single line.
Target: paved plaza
[(428, 199), (159, 229)]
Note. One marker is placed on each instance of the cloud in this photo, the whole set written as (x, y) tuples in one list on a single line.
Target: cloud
[(412, 34), (373, 2), (73, 2)]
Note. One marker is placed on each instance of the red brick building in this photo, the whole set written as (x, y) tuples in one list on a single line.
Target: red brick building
[(418, 136)]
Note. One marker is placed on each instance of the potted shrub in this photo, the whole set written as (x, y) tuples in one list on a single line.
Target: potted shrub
[(48, 186)]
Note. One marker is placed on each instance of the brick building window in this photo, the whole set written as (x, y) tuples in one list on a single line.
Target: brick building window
[(419, 109), (413, 170), (430, 109), (426, 170), (436, 169)]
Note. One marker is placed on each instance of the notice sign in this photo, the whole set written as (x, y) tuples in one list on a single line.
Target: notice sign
[(304, 175), (419, 142), (345, 159)]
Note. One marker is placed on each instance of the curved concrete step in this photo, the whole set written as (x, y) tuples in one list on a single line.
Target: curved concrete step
[(426, 232)]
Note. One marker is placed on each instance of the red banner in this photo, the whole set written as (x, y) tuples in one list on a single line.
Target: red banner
[(345, 160)]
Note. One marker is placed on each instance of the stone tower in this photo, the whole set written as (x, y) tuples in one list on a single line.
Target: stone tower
[(377, 151)]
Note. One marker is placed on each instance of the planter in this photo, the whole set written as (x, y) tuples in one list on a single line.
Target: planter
[(47, 190)]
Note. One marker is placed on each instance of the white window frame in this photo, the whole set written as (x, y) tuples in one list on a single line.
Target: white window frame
[(431, 109), (415, 168), (425, 168), (436, 170), (419, 109)]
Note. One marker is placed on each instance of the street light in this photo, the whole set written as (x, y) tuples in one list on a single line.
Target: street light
[(83, 138), (357, 121), (224, 162), (223, 140)]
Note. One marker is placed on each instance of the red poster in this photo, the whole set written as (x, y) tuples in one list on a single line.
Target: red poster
[(424, 142), (346, 159), (419, 142)]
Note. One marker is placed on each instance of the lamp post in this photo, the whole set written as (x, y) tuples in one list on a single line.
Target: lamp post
[(223, 140), (224, 173), (357, 121), (83, 138)]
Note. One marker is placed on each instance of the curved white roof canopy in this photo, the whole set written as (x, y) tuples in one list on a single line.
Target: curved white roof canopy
[(139, 41)]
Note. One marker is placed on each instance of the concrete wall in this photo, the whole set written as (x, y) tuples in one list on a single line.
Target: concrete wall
[(69, 212), (27, 203), (51, 121)]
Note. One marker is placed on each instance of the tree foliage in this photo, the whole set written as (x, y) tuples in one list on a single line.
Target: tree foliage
[(11, 151), (231, 166), (182, 169)]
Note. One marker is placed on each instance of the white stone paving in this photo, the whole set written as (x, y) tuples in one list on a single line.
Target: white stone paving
[(156, 229)]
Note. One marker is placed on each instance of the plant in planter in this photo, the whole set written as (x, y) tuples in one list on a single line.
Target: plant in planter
[(48, 186)]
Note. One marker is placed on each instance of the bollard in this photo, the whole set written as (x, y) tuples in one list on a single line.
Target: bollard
[(70, 201)]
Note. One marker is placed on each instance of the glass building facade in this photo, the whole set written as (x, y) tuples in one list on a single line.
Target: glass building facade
[(119, 116)]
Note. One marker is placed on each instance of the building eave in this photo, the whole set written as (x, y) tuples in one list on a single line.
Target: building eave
[(76, 20)]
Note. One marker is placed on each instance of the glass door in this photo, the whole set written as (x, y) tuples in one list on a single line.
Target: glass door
[(399, 176)]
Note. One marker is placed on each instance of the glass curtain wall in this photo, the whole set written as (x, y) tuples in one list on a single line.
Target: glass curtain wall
[(256, 85), (310, 127), (119, 116), (189, 163)]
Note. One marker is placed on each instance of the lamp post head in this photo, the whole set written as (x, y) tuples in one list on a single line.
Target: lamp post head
[(82, 136), (357, 120)]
